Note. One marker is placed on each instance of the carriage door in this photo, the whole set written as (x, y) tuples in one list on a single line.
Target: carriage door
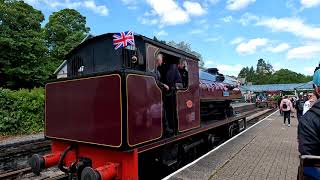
[(188, 102)]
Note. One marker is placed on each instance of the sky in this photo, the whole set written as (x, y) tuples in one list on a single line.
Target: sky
[(229, 34)]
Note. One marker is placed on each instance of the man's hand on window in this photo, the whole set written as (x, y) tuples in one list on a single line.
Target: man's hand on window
[(166, 87)]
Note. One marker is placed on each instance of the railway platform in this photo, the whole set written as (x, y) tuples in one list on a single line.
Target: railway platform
[(266, 150)]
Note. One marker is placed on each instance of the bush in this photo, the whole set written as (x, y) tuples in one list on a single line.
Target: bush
[(22, 111)]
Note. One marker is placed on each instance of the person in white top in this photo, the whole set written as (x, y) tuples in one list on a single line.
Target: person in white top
[(308, 104), (286, 107)]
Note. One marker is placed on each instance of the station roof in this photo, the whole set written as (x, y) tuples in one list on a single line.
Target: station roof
[(278, 87)]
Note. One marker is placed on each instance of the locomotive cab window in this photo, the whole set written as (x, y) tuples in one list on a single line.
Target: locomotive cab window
[(176, 69)]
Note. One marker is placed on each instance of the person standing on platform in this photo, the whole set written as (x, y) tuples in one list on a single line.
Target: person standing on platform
[(308, 104), (279, 102), (309, 129), (286, 108), (299, 107)]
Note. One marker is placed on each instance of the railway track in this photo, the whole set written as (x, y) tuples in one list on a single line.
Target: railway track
[(14, 157)]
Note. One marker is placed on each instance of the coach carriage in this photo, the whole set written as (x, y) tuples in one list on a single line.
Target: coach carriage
[(106, 117)]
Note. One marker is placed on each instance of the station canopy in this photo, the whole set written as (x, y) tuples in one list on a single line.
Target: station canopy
[(278, 87)]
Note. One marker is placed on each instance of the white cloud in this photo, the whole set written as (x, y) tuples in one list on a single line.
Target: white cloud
[(212, 39), (309, 3), (150, 13), (162, 33), (224, 67), (212, 1), (277, 66), (209, 63), (197, 31), (127, 2), (169, 12), (230, 69), (279, 48), (308, 70), (304, 52), (131, 4), (102, 10), (237, 40), (132, 7), (203, 21), (248, 18), (233, 69), (226, 19), (235, 5), (87, 4), (194, 8), (147, 21), (251, 46), (216, 25), (204, 26), (291, 25)]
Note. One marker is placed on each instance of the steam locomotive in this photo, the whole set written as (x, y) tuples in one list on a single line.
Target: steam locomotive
[(106, 118)]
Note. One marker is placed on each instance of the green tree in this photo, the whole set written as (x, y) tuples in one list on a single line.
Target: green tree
[(251, 74), (158, 40), (243, 72), (22, 46), (184, 46), (285, 76), (64, 31), (263, 72)]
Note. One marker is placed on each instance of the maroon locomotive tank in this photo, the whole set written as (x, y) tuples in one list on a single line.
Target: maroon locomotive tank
[(86, 110)]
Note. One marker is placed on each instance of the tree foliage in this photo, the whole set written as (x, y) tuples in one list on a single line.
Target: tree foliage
[(22, 46), (21, 111), (187, 48), (29, 54), (284, 76), (184, 46), (264, 74), (65, 30)]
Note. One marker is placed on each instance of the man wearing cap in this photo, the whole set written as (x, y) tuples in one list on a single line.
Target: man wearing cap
[(309, 129)]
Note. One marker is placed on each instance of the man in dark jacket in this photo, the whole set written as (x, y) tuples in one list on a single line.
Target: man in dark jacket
[(167, 76), (159, 61), (183, 73), (299, 107), (309, 129)]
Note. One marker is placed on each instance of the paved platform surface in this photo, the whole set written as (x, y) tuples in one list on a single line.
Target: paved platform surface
[(268, 150)]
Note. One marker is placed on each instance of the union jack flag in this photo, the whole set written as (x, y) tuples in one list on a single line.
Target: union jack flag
[(123, 39)]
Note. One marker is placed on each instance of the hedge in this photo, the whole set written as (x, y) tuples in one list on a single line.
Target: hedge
[(22, 111)]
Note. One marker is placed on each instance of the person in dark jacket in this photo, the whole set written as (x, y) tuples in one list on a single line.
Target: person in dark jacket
[(171, 75), (309, 129), (159, 61), (183, 73), (279, 102), (299, 107), (168, 75)]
